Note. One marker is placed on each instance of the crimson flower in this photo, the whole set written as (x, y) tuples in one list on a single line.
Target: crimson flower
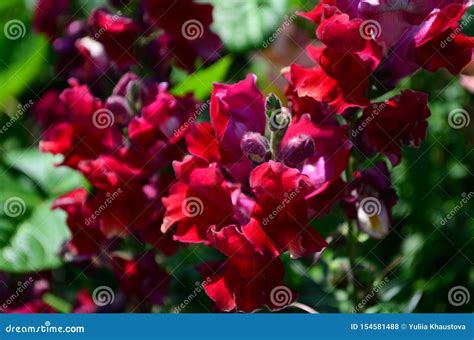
[(117, 33), (399, 121), (200, 199), (248, 279)]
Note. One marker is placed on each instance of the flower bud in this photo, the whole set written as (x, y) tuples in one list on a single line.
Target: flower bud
[(373, 217), (279, 121), (121, 89), (297, 149), (256, 147), (120, 108)]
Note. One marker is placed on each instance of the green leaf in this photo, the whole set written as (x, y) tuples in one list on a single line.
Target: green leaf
[(40, 168), (25, 69), (57, 303), (90, 5), (244, 25), (17, 187), (200, 82), (35, 243), (272, 104)]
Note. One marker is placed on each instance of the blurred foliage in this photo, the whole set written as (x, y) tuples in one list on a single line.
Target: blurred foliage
[(244, 25), (200, 82), (418, 262)]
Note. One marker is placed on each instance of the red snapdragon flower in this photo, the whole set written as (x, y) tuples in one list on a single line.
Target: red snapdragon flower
[(48, 16), (164, 118), (328, 83), (141, 278), (440, 42), (187, 26), (199, 199), (402, 120), (86, 236), (235, 110), (281, 212), (84, 131), (117, 33), (331, 155), (247, 278)]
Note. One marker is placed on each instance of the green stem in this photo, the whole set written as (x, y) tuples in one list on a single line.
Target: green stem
[(351, 249), (352, 243), (274, 145)]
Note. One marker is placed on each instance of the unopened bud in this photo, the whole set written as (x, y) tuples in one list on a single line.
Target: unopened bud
[(256, 147), (121, 88), (120, 108), (297, 149), (279, 121)]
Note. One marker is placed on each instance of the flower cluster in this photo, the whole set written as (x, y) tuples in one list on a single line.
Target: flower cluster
[(252, 181), (126, 34)]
